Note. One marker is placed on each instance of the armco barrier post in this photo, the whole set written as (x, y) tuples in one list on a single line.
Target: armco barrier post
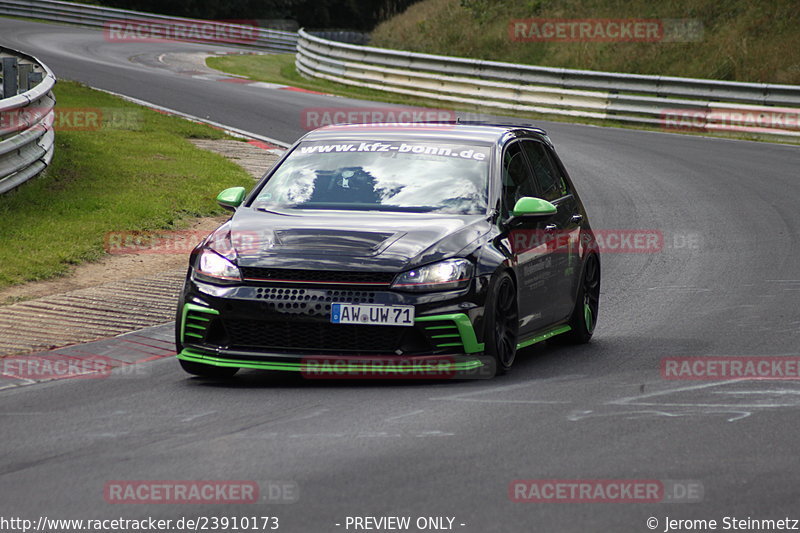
[(23, 76), (34, 79), (10, 74)]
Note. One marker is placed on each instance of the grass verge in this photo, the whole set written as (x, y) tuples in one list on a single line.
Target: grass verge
[(136, 172), (280, 69)]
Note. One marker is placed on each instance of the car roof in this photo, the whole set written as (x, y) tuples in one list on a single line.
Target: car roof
[(439, 131)]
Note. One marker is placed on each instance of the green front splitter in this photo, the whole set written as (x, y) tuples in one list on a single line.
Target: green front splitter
[(439, 366)]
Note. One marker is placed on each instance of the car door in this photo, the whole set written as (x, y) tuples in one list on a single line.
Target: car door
[(533, 260), (563, 229)]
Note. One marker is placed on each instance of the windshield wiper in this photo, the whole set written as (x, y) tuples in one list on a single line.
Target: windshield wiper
[(265, 210)]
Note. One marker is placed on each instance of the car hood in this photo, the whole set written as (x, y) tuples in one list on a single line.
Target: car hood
[(349, 240)]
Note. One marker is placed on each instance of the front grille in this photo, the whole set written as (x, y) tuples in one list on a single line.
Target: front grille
[(333, 277), (322, 337), (292, 294), (308, 302)]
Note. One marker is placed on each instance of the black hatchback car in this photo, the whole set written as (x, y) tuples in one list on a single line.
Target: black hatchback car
[(395, 250)]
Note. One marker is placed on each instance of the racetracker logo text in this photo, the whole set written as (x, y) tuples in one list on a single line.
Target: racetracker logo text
[(605, 30), (200, 492), (179, 242), (181, 492), (605, 491), (316, 117), (228, 31), (750, 119), (389, 367), (604, 241), (70, 119), (716, 368), (47, 367)]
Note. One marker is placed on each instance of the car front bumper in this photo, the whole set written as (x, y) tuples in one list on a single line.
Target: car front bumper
[(288, 328)]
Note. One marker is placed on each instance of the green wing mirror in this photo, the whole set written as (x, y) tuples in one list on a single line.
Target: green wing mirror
[(530, 209), (528, 206), (231, 198)]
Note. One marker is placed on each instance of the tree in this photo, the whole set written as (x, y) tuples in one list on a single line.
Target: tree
[(361, 15)]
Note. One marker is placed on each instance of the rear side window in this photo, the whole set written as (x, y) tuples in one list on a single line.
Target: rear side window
[(551, 182)]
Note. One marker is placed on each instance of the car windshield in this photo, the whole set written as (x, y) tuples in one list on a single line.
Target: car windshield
[(417, 177)]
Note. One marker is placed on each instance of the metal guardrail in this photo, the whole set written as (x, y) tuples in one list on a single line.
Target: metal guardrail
[(342, 36), (27, 140), (631, 98), (101, 17), (706, 105)]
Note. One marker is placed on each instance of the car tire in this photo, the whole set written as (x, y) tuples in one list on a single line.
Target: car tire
[(208, 371), (584, 315), (501, 326), (178, 318)]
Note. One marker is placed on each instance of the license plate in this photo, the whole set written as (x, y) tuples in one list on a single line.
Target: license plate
[(377, 315)]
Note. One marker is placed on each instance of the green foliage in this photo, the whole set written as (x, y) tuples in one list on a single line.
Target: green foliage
[(742, 40), (360, 15)]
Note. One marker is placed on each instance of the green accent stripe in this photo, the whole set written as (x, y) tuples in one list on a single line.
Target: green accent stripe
[(200, 309), (558, 330), (465, 330), (187, 308), (198, 357)]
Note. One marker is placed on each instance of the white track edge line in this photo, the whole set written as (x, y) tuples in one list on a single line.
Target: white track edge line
[(236, 132)]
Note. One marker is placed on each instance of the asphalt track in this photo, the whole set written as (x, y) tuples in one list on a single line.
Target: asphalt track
[(726, 283)]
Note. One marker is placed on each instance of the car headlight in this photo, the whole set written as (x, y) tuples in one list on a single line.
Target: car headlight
[(442, 276), (211, 266)]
